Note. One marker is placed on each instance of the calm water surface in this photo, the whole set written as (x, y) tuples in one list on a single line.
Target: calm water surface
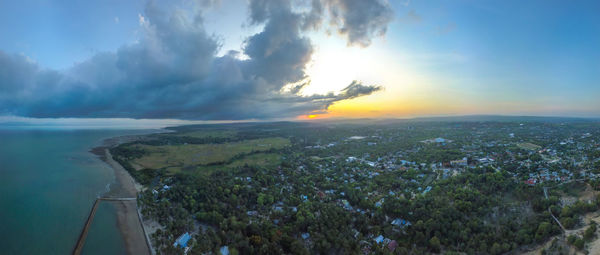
[(48, 182)]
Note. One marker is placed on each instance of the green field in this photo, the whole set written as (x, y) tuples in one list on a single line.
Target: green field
[(175, 158), (529, 146), (209, 133), (258, 159)]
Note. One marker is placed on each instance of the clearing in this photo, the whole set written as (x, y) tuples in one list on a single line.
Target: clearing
[(175, 158), (529, 146)]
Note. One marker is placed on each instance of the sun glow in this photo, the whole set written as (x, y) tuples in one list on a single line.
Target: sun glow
[(334, 66), (407, 90)]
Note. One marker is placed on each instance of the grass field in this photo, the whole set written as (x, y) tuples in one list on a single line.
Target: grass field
[(258, 159), (175, 158), (529, 146), (209, 133)]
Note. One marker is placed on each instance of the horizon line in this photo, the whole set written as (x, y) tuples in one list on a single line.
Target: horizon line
[(123, 123)]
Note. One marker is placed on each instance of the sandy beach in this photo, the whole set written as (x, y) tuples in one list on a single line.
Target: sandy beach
[(129, 222)]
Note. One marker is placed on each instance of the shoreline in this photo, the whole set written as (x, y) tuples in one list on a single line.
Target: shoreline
[(129, 219)]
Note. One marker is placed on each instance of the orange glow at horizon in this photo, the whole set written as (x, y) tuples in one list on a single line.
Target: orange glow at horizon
[(387, 106)]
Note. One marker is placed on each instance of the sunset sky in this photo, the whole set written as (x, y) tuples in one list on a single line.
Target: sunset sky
[(278, 59)]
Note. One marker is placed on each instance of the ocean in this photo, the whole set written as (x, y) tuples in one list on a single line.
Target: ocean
[(48, 183)]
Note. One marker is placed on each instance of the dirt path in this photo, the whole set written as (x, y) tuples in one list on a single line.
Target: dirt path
[(592, 247)]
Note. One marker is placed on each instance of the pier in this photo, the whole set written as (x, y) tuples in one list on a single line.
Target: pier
[(84, 232), (86, 228)]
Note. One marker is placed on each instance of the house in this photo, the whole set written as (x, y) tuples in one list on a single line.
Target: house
[(380, 202), (347, 205), (321, 195), (436, 140), (305, 236), (427, 190), (182, 240), (530, 181), (224, 250), (392, 245), (379, 239), (486, 160), (457, 163), (400, 222)]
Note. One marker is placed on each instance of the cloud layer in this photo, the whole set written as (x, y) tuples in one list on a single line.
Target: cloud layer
[(174, 72)]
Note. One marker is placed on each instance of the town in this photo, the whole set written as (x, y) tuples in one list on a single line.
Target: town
[(396, 187)]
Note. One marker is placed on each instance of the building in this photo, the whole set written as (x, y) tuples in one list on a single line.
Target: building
[(379, 239), (459, 163), (305, 236), (427, 190), (392, 245), (224, 250), (182, 240), (400, 222)]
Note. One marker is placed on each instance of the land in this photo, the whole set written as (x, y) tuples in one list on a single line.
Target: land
[(452, 186), (175, 158)]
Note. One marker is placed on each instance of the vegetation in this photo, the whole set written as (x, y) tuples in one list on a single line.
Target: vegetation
[(174, 158), (304, 188)]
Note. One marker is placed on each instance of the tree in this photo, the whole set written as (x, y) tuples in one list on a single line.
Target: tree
[(260, 200), (434, 244), (568, 222), (579, 243), (496, 249), (544, 229), (571, 239), (590, 232)]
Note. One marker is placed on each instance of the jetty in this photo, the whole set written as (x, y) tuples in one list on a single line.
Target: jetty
[(84, 232)]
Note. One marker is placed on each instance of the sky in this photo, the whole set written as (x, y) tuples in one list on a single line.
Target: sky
[(211, 60)]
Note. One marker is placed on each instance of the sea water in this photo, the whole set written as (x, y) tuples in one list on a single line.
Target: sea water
[(48, 183)]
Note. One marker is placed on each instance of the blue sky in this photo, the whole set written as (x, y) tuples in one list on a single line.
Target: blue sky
[(58, 33), (435, 57)]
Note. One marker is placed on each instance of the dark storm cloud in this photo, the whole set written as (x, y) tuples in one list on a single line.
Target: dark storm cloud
[(360, 20), (173, 72)]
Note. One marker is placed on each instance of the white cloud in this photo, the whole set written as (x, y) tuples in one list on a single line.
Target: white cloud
[(141, 19)]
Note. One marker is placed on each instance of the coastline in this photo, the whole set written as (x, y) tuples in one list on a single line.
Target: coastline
[(129, 219)]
